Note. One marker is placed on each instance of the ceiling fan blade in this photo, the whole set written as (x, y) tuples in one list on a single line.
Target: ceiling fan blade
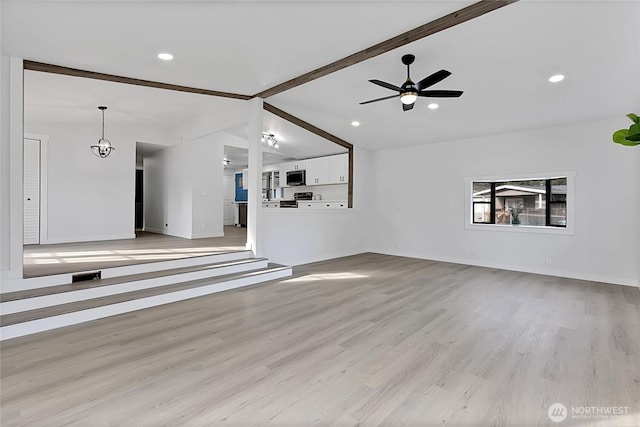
[(434, 78), (386, 85), (440, 93), (407, 107), (379, 99)]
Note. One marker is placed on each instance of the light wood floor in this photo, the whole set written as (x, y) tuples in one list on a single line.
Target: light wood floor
[(44, 260), (368, 340)]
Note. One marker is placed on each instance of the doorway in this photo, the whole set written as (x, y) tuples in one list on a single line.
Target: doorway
[(139, 200)]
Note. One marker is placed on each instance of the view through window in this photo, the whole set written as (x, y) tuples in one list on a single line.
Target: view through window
[(533, 202)]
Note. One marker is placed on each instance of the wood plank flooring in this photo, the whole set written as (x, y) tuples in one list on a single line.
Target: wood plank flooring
[(45, 260), (367, 340)]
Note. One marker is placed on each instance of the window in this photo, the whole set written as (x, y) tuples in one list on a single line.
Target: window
[(533, 202)]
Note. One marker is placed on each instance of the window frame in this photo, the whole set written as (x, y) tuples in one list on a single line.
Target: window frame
[(542, 229)]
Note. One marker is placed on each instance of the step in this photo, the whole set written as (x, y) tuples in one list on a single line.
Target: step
[(15, 302), (17, 285), (53, 317)]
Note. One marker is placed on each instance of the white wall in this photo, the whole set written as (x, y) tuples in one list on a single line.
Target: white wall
[(11, 136), (89, 198), (420, 202), (167, 191), (183, 193), (208, 191)]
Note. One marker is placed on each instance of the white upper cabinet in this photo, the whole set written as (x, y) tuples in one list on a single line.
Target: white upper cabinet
[(293, 166), (339, 169), (318, 171)]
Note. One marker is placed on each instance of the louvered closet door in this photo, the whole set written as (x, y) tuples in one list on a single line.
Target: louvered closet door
[(31, 174)]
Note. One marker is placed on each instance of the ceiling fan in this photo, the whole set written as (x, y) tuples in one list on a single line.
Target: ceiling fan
[(410, 91)]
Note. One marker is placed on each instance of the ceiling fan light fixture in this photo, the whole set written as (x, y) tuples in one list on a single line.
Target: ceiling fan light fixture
[(556, 78), (408, 97)]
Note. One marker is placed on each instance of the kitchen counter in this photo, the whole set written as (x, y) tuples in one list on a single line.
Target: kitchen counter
[(308, 204)]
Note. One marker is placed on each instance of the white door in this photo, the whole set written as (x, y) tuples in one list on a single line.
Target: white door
[(31, 190), (228, 186)]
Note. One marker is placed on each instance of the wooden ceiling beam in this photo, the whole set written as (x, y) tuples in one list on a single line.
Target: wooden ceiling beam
[(57, 69), (455, 18), (305, 125)]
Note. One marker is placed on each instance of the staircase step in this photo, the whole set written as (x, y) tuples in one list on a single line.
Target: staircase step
[(38, 283), (38, 320), (16, 302)]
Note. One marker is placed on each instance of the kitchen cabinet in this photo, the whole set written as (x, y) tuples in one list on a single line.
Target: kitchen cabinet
[(293, 166), (339, 169), (334, 205), (298, 165), (307, 204), (313, 204), (318, 171)]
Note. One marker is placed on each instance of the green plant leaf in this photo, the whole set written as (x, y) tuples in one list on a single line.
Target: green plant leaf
[(634, 129), (635, 137), (634, 118), (620, 137)]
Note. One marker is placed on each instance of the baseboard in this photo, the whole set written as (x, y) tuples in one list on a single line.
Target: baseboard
[(207, 235), (315, 258), (154, 230), (555, 273), (90, 239)]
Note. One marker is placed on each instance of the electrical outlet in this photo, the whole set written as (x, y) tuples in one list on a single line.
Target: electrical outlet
[(548, 260)]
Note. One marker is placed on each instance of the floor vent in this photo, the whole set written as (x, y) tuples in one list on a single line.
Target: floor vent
[(83, 277)]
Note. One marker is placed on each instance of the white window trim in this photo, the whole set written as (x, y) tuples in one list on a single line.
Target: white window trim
[(568, 230)]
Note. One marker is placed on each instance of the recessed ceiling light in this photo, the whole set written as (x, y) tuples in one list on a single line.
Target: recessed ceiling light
[(165, 56), (557, 78), (433, 106), (355, 123)]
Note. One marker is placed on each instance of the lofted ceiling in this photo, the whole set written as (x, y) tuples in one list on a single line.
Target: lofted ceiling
[(500, 60)]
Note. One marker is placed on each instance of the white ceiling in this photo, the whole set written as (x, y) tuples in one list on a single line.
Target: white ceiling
[(501, 60), (53, 98), (233, 46)]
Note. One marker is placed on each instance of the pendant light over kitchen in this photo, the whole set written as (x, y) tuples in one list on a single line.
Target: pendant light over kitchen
[(103, 148)]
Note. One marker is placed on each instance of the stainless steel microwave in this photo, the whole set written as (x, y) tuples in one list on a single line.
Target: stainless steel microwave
[(296, 178)]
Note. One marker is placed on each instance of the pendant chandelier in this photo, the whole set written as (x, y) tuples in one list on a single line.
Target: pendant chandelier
[(103, 148)]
